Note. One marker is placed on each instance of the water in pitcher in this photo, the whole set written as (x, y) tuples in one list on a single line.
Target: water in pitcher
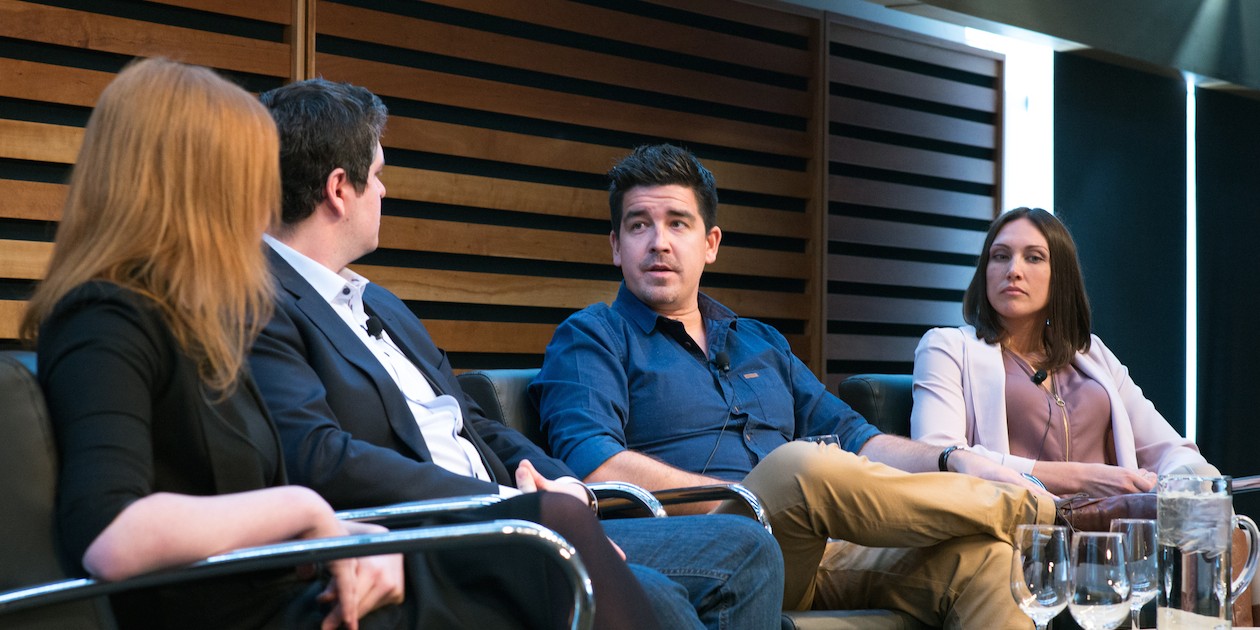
[(1194, 540)]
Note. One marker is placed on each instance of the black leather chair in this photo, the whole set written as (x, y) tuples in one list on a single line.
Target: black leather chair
[(36, 593), (883, 399), (502, 396)]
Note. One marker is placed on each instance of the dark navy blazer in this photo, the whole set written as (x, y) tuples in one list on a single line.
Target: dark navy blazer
[(346, 429)]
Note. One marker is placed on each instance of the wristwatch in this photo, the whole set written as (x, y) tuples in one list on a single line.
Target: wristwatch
[(942, 462)]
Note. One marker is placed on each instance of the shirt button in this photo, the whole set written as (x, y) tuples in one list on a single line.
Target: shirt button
[(345, 290), (748, 436)]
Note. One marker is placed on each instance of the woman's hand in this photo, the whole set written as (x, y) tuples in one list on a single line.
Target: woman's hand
[(370, 583), (1095, 480), (358, 585)]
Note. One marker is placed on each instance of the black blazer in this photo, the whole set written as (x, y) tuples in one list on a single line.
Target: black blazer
[(132, 417), (346, 429)]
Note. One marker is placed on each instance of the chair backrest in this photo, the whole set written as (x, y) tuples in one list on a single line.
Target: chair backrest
[(884, 400), (503, 396), (28, 487)]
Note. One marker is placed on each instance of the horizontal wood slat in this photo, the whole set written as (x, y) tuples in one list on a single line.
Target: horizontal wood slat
[(465, 43), (274, 11), (39, 142), (910, 122), (903, 45), (481, 94), (474, 336), (519, 148), (504, 289), (512, 242), (872, 347), (500, 194), (912, 84), (11, 312), (906, 273), (864, 308), (625, 27), (35, 201), (93, 31), (778, 18), (50, 83), (891, 234), (24, 260), (907, 160), (883, 194)]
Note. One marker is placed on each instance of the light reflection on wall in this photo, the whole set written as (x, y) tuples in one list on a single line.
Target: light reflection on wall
[(1028, 134)]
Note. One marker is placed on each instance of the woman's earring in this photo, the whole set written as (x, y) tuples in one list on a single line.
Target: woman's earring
[(1047, 322)]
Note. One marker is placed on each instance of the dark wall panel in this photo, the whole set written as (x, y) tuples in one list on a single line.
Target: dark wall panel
[(1228, 133), (913, 164), (1119, 184)]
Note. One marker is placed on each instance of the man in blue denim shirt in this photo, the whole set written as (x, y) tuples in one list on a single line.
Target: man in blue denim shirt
[(667, 388)]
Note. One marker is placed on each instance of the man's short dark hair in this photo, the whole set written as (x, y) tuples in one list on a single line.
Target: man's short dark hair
[(662, 165), (323, 126)]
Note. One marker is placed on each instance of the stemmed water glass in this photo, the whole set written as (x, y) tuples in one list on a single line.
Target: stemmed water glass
[(1140, 555), (1100, 583), (1040, 579)]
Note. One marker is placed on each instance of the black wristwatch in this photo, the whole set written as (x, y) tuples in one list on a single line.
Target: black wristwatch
[(942, 462)]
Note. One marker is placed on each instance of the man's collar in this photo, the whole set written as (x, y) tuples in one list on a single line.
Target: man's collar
[(326, 283), (633, 309)]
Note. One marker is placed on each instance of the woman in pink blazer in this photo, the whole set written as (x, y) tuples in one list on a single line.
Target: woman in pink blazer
[(1026, 384)]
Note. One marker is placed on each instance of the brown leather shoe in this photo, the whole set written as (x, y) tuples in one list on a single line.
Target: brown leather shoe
[(1094, 514)]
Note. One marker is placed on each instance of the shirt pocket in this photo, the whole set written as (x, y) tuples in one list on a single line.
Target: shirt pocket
[(766, 398)]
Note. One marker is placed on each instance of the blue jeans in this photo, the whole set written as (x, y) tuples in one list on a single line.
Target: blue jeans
[(721, 572)]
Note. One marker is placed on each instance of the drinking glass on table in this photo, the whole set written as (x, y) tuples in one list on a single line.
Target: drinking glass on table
[(1100, 582), (1141, 554), (1040, 578)]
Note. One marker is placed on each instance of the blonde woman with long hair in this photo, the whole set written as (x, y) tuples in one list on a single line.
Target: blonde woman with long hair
[(156, 288)]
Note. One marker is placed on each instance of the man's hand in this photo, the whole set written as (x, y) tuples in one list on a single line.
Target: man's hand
[(528, 479)]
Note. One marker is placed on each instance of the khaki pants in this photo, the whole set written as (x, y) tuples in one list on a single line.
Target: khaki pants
[(933, 545)]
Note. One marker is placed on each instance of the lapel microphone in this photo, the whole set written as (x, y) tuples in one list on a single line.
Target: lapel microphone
[(722, 362), (375, 327), (1037, 378)]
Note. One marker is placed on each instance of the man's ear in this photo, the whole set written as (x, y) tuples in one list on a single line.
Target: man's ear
[(335, 191), (616, 247), (711, 242)]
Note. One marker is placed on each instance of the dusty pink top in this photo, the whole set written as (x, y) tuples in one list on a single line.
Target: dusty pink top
[(1037, 424)]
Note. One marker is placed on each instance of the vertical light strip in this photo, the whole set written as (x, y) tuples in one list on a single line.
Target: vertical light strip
[(1192, 284)]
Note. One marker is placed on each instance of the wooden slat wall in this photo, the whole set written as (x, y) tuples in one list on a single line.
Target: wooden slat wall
[(914, 129), (505, 117), (56, 57)]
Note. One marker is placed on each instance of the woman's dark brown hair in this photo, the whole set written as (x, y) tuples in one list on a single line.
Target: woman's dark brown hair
[(1068, 322)]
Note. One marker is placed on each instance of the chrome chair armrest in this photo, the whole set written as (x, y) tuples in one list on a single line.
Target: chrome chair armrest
[(717, 492), (293, 553), (618, 497), (1250, 483), (413, 513)]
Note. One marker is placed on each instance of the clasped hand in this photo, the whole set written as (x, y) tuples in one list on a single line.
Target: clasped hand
[(359, 585)]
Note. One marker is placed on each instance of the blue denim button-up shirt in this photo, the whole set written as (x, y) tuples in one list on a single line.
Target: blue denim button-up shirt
[(614, 380)]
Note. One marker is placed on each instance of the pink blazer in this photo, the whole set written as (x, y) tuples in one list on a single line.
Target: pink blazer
[(960, 398)]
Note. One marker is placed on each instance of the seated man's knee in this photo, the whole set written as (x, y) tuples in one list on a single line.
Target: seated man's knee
[(747, 537), (795, 464)]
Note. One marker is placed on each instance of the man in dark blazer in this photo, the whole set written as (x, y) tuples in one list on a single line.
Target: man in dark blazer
[(370, 413)]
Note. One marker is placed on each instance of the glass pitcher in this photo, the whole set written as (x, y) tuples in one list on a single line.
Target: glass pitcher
[(1196, 524)]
